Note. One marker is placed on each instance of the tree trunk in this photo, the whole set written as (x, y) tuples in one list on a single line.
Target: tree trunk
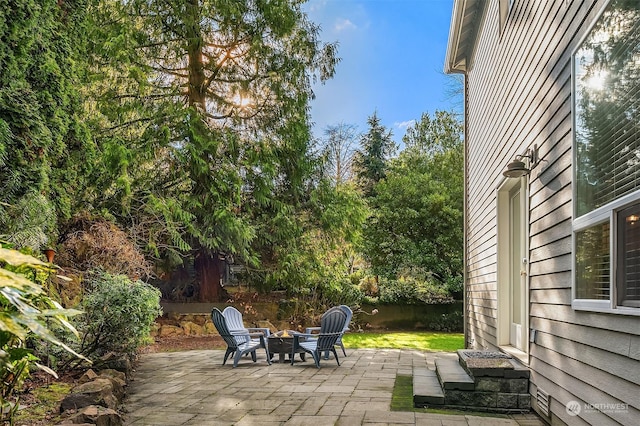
[(208, 271), (196, 88)]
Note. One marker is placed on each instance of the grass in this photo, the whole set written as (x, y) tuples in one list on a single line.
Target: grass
[(44, 407), (447, 342), (402, 396)]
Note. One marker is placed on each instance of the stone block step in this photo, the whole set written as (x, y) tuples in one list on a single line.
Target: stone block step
[(426, 388), (452, 375)]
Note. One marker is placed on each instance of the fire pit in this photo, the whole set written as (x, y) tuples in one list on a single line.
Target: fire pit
[(281, 343)]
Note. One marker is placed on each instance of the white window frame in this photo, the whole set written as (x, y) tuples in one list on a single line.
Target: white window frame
[(603, 214), (606, 213), (505, 7)]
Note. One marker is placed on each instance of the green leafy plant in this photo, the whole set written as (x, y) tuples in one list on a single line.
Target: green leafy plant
[(118, 314), (452, 322), (412, 291), (24, 311)]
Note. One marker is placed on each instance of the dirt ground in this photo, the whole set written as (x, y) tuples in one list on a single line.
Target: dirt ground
[(184, 343)]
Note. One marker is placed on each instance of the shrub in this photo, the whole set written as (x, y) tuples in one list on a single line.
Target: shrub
[(369, 286), (118, 315), (452, 322), (412, 291)]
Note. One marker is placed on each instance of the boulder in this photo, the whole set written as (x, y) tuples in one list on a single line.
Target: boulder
[(170, 330), (97, 392), (115, 374), (88, 376), (95, 415), (174, 316), (114, 361), (209, 328), (201, 320), (191, 328)]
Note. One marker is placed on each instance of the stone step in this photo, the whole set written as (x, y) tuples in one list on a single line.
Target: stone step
[(426, 388), (452, 375), (491, 364)]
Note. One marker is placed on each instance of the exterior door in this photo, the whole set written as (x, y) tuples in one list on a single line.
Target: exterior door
[(512, 315), (517, 270)]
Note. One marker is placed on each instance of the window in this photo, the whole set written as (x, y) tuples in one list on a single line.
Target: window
[(606, 229)]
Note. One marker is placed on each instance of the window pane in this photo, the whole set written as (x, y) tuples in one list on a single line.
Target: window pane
[(607, 104), (592, 263), (629, 257)]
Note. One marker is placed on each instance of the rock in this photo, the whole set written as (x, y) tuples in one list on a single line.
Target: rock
[(155, 329), (74, 401), (209, 328), (192, 329), (97, 392), (187, 318), (117, 383), (115, 374), (201, 320), (88, 376), (119, 362), (170, 330), (95, 415), (174, 316)]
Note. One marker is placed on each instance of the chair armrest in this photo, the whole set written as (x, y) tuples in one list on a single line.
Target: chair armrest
[(297, 334), (310, 330), (264, 331)]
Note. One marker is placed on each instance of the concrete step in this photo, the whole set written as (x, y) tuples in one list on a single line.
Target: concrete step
[(426, 388), (452, 375)]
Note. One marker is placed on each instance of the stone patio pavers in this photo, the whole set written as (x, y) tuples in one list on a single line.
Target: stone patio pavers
[(194, 388)]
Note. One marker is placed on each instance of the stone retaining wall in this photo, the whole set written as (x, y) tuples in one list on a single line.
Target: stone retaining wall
[(175, 324)]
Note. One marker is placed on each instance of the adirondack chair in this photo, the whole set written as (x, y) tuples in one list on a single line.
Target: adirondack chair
[(347, 310), (238, 343), (236, 324), (331, 328)]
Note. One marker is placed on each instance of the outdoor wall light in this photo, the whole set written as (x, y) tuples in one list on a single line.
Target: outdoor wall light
[(518, 168)]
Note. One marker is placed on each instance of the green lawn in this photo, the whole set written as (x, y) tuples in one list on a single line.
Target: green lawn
[(448, 342)]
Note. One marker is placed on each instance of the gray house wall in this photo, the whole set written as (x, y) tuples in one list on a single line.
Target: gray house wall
[(518, 93)]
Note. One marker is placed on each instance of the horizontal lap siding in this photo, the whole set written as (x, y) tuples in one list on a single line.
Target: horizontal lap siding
[(519, 94)]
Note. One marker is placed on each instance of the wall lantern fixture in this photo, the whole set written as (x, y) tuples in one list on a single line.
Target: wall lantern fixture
[(518, 168)]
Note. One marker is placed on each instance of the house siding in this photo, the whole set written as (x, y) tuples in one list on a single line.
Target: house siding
[(518, 93)]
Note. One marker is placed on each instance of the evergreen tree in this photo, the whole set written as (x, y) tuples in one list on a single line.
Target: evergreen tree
[(206, 119), (418, 208), (45, 150), (376, 147)]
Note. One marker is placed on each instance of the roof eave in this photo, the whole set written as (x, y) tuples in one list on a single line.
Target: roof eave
[(462, 34)]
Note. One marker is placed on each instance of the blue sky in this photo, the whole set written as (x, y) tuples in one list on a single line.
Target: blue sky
[(392, 59)]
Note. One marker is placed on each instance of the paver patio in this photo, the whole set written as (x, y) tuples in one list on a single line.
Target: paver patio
[(194, 388)]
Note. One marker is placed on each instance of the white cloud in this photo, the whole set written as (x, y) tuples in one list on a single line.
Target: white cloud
[(343, 24), (404, 124), (315, 6)]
